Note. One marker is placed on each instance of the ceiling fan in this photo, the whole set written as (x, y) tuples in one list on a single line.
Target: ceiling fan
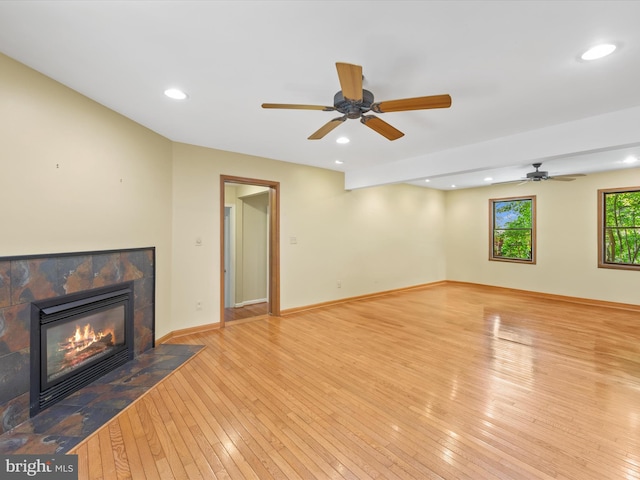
[(355, 102), (538, 175)]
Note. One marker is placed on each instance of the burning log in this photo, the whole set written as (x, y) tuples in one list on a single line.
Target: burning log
[(84, 339)]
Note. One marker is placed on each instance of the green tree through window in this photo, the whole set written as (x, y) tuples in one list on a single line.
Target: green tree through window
[(619, 227), (513, 229)]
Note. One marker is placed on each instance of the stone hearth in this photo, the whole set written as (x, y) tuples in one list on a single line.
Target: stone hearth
[(28, 279), (61, 427)]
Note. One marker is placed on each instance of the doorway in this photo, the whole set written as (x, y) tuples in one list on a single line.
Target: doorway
[(249, 265)]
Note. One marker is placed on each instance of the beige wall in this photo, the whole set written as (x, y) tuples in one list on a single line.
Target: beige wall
[(370, 240), (567, 240), (79, 177), (75, 176)]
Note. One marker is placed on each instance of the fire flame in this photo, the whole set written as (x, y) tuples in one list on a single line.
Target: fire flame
[(85, 337)]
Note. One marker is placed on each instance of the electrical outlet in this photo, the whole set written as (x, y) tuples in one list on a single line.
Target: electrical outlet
[(339, 283), (198, 305)]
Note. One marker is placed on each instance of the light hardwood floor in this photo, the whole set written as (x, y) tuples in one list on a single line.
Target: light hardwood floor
[(242, 313), (452, 381)]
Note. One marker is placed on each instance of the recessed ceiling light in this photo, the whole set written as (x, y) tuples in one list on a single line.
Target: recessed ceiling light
[(630, 159), (175, 94), (598, 51), (453, 186), (339, 162), (342, 140), (488, 179), (427, 180)]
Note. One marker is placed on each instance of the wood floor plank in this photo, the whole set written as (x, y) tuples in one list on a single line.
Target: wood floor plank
[(132, 446), (121, 460), (171, 446), (83, 461), (137, 432), (93, 459), (451, 381), (106, 452)]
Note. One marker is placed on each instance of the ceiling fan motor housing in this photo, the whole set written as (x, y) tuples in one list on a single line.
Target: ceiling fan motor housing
[(537, 175), (350, 108)]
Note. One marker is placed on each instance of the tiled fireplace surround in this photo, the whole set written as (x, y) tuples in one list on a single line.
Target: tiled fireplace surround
[(37, 277)]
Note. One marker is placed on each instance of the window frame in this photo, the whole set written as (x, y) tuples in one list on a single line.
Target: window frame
[(602, 263), (525, 261)]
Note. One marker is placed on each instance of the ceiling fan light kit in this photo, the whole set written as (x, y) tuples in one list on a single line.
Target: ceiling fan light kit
[(353, 102)]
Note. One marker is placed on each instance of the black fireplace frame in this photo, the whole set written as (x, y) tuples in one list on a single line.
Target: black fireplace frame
[(44, 393)]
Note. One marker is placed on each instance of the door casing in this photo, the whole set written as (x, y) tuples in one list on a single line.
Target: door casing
[(273, 293)]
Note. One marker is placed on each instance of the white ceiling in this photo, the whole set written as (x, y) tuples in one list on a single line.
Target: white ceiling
[(520, 93)]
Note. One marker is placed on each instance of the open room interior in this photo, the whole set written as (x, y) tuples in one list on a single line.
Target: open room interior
[(384, 338)]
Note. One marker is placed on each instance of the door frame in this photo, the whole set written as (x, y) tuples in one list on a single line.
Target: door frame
[(273, 293)]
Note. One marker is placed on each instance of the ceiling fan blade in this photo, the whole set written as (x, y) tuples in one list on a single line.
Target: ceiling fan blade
[(298, 107), (562, 178), (326, 128), (417, 103), (382, 127), (570, 175), (350, 81), (519, 182)]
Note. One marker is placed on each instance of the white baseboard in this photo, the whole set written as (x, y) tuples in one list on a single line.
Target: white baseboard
[(250, 302)]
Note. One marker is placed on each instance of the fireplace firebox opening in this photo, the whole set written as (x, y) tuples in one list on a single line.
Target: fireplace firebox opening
[(76, 339)]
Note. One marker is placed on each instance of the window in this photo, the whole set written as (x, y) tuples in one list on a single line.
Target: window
[(619, 228), (513, 229)]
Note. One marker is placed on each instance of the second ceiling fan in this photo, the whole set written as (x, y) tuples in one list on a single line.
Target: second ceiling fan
[(352, 101), (540, 175)]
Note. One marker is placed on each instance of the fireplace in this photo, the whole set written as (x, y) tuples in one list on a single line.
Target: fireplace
[(78, 338)]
